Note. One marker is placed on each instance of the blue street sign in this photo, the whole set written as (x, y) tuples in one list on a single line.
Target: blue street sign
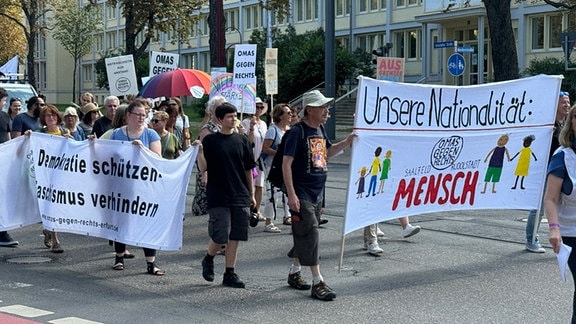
[(456, 64), (443, 44), (465, 49)]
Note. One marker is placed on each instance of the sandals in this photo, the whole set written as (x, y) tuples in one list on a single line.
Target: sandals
[(287, 221), (154, 270), (119, 263), (56, 248)]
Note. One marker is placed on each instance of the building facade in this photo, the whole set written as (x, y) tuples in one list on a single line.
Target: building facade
[(413, 29)]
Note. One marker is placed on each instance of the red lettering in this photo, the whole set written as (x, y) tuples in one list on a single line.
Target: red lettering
[(431, 185)]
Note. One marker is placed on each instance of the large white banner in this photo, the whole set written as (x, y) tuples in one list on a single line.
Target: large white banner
[(430, 148), (109, 189)]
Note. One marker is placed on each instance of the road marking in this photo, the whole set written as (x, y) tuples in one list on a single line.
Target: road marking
[(8, 319), (72, 320), (24, 311)]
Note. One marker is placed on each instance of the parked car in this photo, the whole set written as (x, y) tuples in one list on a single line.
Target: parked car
[(22, 91)]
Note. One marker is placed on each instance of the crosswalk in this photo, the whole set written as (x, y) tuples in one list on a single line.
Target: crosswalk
[(21, 314)]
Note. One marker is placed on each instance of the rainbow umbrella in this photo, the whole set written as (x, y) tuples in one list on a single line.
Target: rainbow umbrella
[(178, 82)]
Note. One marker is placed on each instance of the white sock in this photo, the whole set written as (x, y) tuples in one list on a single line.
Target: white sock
[(294, 268), (317, 279)]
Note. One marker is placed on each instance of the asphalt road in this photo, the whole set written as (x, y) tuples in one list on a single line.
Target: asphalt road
[(463, 267)]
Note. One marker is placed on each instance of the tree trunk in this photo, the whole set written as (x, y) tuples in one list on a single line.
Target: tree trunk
[(504, 55), (31, 38), (217, 41)]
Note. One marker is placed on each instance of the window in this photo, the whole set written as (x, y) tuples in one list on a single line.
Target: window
[(110, 12), (122, 38), (87, 72), (407, 44), (413, 2), (99, 42), (555, 30), (253, 18), (383, 4), (111, 40), (231, 17), (373, 5), (362, 6), (537, 32), (343, 7), (400, 3), (306, 10)]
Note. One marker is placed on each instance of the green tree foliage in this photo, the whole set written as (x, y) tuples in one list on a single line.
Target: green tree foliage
[(12, 38), (553, 66), (301, 62), (32, 20), (147, 17), (73, 28)]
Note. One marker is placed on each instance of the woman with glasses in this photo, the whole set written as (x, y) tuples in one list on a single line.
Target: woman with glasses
[(170, 146), (71, 124), (136, 132), (51, 121), (29, 120), (281, 117)]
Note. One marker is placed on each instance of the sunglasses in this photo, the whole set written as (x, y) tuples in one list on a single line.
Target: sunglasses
[(155, 121), (564, 94)]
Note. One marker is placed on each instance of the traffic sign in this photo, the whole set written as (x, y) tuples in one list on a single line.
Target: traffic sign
[(456, 64), (465, 49), (444, 44)]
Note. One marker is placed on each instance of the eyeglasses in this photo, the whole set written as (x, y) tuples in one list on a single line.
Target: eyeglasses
[(564, 94), (139, 115), (51, 115), (259, 107), (173, 105), (157, 120), (41, 104)]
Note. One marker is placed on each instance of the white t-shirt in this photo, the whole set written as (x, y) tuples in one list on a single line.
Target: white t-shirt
[(259, 131)]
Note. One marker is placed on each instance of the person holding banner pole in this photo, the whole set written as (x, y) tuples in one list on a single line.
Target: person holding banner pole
[(535, 216), (560, 197), (138, 134), (228, 157), (304, 169)]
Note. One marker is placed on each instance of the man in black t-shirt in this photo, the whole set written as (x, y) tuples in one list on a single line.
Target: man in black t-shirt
[(304, 169), (228, 159), (104, 123)]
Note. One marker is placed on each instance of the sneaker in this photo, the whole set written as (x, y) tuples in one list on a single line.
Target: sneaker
[(6, 240), (323, 292), (271, 228), (47, 238), (295, 280), (374, 249), (232, 280), (535, 247), (379, 232), (254, 219), (207, 270), (322, 221), (410, 230)]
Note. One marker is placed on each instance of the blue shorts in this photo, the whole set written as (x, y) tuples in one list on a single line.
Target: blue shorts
[(228, 223)]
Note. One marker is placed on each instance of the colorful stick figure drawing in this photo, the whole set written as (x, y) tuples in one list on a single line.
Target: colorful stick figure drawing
[(496, 163), (523, 161), (360, 182), (374, 169), (385, 169), (317, 150)]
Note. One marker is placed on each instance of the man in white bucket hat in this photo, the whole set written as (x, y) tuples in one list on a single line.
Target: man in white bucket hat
[(304, 169)]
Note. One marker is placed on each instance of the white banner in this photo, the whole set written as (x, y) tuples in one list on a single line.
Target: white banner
[(161, 62), (121, 75), (426, 148), (19, 206), (245, 64), (271, 71), (109, 189)]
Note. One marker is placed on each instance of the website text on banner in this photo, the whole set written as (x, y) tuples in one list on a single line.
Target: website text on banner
[(425, 148), (112, 190)]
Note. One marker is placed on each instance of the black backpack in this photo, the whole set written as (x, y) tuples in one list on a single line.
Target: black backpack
[(275, 175)]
